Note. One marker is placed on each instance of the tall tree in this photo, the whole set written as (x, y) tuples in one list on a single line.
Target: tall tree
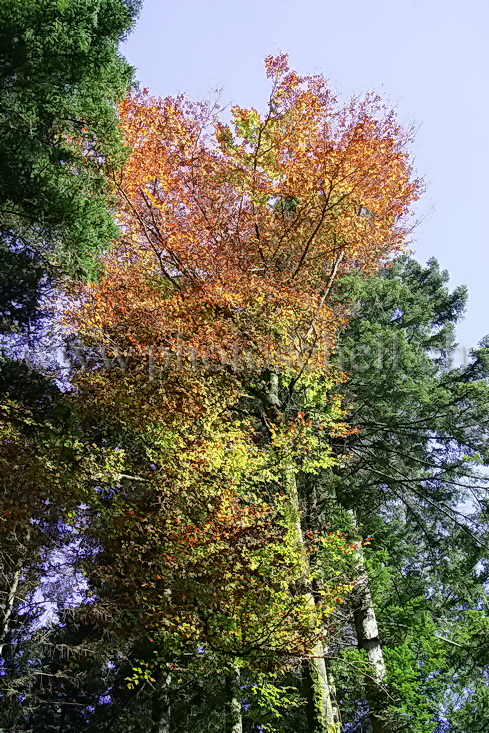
[(416, 457), (233, 239)]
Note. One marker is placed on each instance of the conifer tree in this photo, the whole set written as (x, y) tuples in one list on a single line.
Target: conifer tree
[(413, 482)]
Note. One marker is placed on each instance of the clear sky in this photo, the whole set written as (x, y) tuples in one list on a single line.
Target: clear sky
[(428, 59)]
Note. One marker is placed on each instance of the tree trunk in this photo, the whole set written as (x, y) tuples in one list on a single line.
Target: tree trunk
[(9, 604), (161, 705), (332, 692), (320, 705), (367, 633), (321, 710), (234, 720), (14, 586)]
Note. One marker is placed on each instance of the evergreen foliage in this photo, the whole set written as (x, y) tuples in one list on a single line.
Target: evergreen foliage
[(60, 79)]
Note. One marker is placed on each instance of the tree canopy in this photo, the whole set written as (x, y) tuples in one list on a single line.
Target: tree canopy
[(258, 500)]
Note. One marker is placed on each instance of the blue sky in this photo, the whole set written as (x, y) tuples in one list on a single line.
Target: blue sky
[(428, 59)]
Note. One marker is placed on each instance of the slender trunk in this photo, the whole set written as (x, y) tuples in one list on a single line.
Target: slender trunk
[(321, 710), (12, 593), (310, 520), (234, 720), (367, 633), (9, 604), (332, 690), (161, 705), (366, 628)]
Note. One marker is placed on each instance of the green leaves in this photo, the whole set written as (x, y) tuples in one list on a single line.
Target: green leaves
[(61, 79)]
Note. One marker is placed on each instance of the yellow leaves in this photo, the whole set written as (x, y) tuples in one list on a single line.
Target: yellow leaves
[(247, 123)]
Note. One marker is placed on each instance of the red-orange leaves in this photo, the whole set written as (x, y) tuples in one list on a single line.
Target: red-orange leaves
[(234, 233)]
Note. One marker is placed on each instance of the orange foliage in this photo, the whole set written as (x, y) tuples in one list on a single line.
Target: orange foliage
[(233, 234), (232, 238)]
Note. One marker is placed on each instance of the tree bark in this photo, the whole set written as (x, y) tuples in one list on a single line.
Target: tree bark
[(332, 691), (367, 633), (9, 604), (14, 586), (321, 709), (161, 705), (234, 719)]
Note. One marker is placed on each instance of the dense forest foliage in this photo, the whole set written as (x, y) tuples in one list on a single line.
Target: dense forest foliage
[(243, 467)]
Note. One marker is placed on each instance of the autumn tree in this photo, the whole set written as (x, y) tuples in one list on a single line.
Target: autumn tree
[(233, 236), (426, 565)]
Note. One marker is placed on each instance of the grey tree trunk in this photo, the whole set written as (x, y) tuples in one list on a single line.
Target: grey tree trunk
[(234, 718), (367, 633), (161, 705), (8, 607), (321, 709), (366, 628)]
